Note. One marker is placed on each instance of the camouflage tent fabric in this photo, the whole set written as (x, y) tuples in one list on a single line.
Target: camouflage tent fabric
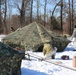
[(10, 60), (58, 41), (33, 36), (28, 37)]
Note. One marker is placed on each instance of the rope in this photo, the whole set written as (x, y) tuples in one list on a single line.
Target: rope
[(61, 65), (74, 69)]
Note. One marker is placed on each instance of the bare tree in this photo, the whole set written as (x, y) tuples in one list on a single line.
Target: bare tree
[(22, 13), (61, 15), (31, 10), (0, 9), (72, 16), (22, 9), (58, 4), (1, 23), (45, 12), (5, 25), (69, 17), (38, 2)]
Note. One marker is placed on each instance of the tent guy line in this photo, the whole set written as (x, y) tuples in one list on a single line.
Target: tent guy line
[(52, 62)]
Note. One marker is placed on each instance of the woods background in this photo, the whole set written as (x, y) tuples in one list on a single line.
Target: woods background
[(58, 15)]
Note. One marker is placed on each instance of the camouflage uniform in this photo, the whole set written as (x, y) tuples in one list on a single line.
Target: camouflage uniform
[(10, 60)]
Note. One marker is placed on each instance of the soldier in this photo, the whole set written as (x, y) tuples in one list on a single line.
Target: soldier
[(49, 51)]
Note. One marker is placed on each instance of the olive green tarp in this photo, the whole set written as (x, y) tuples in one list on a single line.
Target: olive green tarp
[(10, 60), (33, 36)]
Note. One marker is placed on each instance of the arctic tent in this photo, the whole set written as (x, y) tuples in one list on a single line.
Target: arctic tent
[(33, 36)]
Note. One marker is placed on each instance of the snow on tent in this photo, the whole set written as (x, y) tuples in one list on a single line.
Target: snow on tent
[(10, 60), (33, 36)]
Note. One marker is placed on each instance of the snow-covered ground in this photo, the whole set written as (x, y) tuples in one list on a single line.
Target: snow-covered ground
[(36, 67)]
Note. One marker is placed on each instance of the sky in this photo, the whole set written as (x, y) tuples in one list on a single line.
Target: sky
[(49, 8)]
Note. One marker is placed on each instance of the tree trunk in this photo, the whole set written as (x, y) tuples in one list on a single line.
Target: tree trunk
[(5, 25), (38, 1), (22, 13), (1, 24), (45, 12), (53, 14), (61, 15), (31, 11), (72, 17), (69, 18)]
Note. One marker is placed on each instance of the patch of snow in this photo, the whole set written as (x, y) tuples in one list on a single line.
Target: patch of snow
[(1, 36)]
